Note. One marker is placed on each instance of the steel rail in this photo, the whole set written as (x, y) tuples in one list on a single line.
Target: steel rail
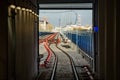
[(72, 64), (56, 61), (55, 65)]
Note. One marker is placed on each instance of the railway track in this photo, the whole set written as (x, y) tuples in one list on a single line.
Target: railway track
[(63, 65), (84, 72), (64, 68)]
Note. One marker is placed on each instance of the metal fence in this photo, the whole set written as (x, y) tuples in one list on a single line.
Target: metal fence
[(83, 39)]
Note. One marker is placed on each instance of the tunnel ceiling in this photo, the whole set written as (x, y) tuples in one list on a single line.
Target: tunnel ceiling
[(65, 1)]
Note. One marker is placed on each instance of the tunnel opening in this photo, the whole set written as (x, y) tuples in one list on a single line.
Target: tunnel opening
[(19, 39), (69, 28)]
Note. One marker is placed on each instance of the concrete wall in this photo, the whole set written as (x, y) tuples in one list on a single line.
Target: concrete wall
[(26, 54), (18, 41), (3, 40), (23, 49), (107, 39)]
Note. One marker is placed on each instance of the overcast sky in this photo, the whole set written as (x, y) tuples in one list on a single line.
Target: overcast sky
[(63, 17)]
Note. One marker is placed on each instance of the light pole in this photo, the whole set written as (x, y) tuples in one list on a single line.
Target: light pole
[(76, 31), (75, 16)]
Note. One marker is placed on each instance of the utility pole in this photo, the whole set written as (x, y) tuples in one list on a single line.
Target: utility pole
[(59, 22)]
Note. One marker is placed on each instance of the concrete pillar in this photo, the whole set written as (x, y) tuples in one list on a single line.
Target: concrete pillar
[(19, 49), (11, 44)]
